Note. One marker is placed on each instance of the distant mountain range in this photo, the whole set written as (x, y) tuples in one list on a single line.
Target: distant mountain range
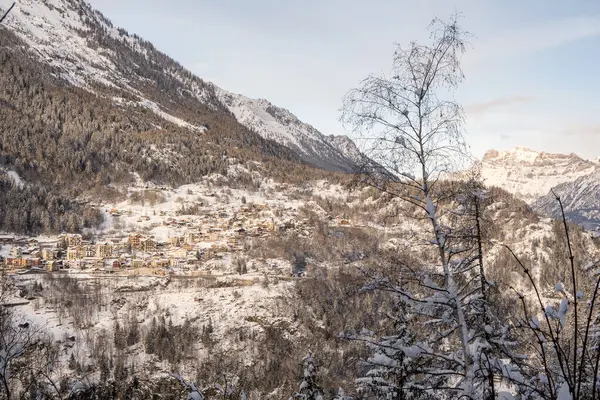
[(531, 175)]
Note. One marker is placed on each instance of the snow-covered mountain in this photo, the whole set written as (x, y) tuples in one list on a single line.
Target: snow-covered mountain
[(281, 126), (532, 176), (580, 198), (86, 50), (529, 174)]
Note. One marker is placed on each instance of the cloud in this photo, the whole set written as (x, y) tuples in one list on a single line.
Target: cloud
[(482, 108)]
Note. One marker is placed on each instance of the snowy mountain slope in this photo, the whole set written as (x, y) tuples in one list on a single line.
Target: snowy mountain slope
[(337, 153), (86, 50), (529, 174), (581, 200)]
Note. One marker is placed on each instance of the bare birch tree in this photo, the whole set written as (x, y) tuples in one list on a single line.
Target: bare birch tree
[(413, 131)]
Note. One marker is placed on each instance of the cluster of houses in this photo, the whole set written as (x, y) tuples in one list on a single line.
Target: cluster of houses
[(203, 238)]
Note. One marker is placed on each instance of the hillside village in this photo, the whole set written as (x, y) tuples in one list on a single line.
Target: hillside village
[(154, 241)]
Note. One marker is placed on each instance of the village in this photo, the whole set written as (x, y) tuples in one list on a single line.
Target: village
[(190, 241)]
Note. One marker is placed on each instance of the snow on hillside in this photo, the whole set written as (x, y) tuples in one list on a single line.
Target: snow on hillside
[(50, 28), (280, 125), (61, 33), (581, 200), (529, 174)]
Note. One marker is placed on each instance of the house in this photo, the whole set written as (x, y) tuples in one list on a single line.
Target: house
[(159, 263), (104, 250), (135, 240), (137, 263), (191, 237), (7, 239), (93, 262), (174, 240), (148, 245), (49, 254), (52, 266), (16, 251), (112, 263), (90, 250), (76, 252), (31, 262), (179, 253), (74, 240)]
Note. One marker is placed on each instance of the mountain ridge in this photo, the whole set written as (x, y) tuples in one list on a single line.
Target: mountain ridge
[(85, 49), (537, 177), (530, 174)]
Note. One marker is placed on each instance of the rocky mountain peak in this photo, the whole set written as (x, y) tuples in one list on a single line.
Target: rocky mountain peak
[(530, 174)]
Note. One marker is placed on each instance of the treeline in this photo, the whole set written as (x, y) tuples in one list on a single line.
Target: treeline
[(33, 209)]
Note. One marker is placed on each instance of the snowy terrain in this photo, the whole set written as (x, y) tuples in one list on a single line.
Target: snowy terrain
[(529, 174), (330, 152), (60, 33), (581, 200)]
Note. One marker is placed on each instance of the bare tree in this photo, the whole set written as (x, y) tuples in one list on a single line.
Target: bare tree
[(413, 131), (7, 12), (563, 337), (28, 356)]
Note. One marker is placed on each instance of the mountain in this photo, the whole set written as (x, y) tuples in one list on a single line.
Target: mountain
[(88, 108), (337, 153), (86, 50), (529, 174), (580, 198), (532, 176)]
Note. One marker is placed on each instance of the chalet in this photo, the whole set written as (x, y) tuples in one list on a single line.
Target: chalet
[(16, 251), (49, 254), (12, 261), (7, 239), (148, 245), (137, 263), (135, 240)]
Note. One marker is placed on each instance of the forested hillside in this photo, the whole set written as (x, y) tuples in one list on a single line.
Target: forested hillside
[(67, 141)]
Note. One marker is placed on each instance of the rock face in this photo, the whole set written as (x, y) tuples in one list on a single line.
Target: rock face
[(580, 198), (529, 174), (337, 153), (86, 50), (532, 175)]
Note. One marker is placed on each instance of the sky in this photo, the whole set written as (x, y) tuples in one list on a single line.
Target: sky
[(531, 66)]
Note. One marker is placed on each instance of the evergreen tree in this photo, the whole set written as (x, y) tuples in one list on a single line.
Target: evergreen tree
[(309, 388)]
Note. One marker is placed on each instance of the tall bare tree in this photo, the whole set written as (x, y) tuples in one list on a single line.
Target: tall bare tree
[(413, 131)]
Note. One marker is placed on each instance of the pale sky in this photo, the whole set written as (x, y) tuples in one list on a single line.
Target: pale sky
[(531, 73)]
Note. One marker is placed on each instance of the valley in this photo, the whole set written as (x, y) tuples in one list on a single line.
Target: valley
[(164, 237)]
